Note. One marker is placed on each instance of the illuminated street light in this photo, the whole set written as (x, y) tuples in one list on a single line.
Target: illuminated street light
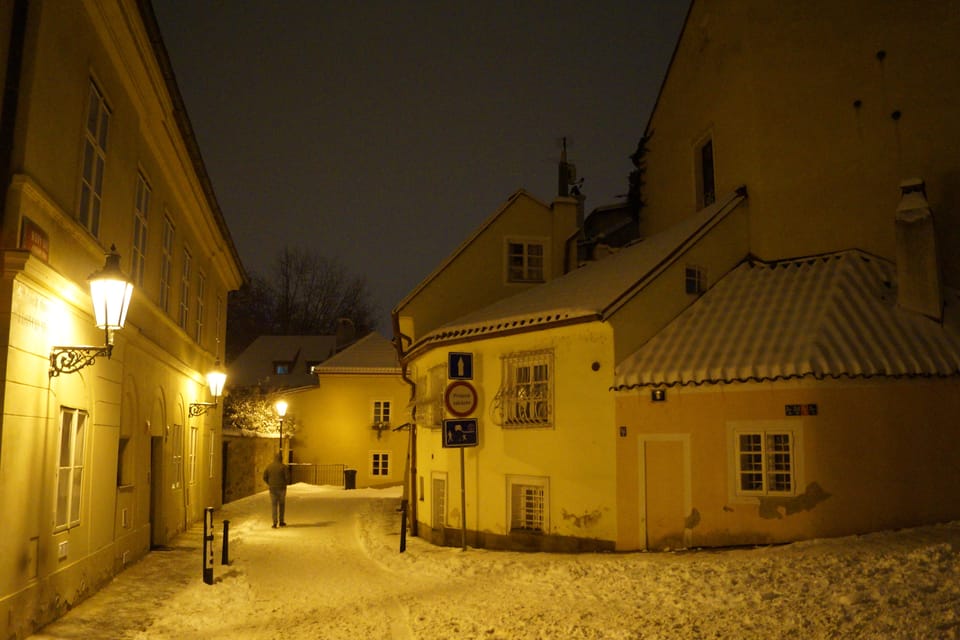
[(110, 292), (215, 381)]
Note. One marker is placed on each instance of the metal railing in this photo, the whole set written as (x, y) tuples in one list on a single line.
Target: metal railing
[(310, 473)]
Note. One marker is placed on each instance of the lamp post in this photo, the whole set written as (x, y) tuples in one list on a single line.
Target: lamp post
[(215, 381), (110, 292), (281, 407)]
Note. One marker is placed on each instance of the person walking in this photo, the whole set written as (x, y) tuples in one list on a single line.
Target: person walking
[(277, 477)]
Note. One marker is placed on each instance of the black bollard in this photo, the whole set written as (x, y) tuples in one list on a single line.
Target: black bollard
[(208, 545), (225, 554)]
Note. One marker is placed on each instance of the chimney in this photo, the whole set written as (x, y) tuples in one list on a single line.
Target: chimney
[(345, 332), (918, 271)]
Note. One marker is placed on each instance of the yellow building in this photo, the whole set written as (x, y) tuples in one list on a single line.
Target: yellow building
[(762, 367), (101, 460), (353, 419)]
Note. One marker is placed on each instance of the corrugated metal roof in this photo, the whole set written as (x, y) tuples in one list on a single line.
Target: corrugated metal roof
[(592, 291), (825, 316), (372, 353)]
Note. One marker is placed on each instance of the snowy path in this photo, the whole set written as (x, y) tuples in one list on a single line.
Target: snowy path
[(335, 573)]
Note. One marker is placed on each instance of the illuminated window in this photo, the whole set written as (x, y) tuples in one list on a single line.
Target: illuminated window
[(765, 462), (70, 467), (282, 367), (94, 160), (192, 455), (141, 209), (381, 412), (706, 181), (525, 397), (528, 503), (380, 464), (166, 263), (176, 456), (525, 261), (185, 289)]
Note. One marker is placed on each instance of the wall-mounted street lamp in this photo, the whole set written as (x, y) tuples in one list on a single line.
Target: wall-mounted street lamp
[(110, 291), (281, 407), (215, 380)]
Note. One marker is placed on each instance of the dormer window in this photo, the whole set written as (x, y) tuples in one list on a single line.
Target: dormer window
[(282, 367)]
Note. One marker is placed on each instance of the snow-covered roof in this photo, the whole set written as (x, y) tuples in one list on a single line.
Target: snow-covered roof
[(256, 364), (372, 353), (826, 317), (593, 291)]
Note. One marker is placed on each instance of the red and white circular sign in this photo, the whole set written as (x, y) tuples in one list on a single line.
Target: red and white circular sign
[(460, 398)]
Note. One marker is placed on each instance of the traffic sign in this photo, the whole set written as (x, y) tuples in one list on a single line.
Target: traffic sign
[(460, 398), (460, 433), (459, 365)]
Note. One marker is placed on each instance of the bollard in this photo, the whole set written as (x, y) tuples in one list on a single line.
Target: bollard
[(225, 554), (208, 545)]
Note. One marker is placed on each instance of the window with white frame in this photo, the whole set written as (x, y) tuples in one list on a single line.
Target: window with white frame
[(381, 412), (94, 160), (525, 261), (166, 264), (73, 424), (380, 464), (176, 456), (528, 503), (211, 454), (192, 454), (141, 209), (185, 289), (525, 397), (198, 316), (765, 462), (706, 181)]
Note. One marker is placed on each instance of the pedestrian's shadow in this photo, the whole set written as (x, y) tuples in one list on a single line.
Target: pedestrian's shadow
[(296, 525)]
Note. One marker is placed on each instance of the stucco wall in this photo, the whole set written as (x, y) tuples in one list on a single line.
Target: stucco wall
[(878, 454)]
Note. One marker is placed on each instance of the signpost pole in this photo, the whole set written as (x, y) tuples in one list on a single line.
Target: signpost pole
[(463, 505)]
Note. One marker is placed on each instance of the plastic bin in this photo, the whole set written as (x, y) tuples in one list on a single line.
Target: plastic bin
[(349, 478)]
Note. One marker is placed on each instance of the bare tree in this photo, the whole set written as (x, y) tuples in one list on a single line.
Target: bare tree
[(305, 294)]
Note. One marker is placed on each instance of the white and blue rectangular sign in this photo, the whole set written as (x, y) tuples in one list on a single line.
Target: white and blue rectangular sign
[(459, 365), (460, 433)]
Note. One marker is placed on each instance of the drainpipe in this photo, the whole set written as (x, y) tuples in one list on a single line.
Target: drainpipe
[(11, 98), (398, 339)]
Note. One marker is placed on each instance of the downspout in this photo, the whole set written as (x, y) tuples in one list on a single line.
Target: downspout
[(398, 339), (11, 98)]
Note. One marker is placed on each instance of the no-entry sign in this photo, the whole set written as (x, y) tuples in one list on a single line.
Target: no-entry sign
[(460, 398)]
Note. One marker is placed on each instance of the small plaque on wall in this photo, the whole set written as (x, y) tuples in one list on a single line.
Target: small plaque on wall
[(800, 409)]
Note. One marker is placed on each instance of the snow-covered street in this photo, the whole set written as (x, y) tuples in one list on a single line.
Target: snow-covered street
[(335, 572)]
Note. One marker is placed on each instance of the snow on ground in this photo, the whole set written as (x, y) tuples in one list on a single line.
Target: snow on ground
[(336, 572)]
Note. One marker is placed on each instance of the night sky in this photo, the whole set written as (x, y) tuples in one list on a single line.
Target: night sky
[(382, 133)]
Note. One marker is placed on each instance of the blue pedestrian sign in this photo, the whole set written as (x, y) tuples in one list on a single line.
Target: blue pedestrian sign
[(460, 433), (459, 366)]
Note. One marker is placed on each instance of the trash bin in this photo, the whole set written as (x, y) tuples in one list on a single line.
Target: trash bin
[(349, 478)]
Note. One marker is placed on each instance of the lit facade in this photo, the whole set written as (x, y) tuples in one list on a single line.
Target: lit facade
[(99, 465)]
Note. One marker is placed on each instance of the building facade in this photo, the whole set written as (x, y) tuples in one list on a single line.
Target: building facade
[(99, 465)]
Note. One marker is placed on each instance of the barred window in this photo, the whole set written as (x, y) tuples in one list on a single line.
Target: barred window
[(528, 503), (765, 463), (525, 397)]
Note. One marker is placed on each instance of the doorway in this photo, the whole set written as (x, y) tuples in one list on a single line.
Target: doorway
[(665, 500)]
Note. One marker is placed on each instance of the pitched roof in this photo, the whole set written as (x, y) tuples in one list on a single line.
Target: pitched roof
[(255, 365), (371, 354), (828, 316), (593, 291)]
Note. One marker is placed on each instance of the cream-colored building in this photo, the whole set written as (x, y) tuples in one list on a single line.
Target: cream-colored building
[(353, 418), (776, 359), (100, 464)]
